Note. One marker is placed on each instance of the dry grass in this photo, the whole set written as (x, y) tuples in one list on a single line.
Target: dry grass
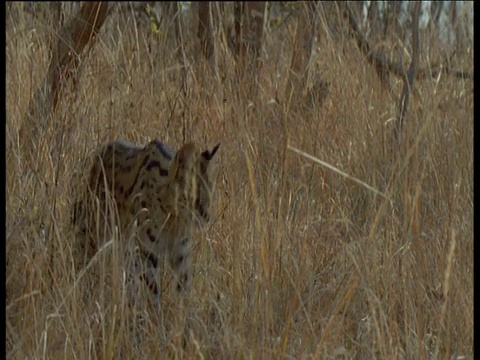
[(299, 262)]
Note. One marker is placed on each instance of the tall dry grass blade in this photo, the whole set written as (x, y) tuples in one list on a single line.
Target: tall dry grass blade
[(446, 298), (83, 272), (343, 305)]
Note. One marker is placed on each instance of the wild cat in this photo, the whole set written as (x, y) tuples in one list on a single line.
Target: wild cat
[(162, 194)]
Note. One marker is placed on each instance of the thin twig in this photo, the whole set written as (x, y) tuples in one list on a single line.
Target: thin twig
[(331, 167)]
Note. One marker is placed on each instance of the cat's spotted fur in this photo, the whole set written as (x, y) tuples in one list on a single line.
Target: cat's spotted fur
[(159, 194)]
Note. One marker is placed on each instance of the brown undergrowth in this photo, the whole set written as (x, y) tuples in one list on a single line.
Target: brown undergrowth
[(298, 261)]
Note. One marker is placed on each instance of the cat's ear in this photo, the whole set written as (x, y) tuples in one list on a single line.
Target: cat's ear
[(208, 154)]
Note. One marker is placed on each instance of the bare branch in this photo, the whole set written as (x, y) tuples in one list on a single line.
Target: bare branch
[(408, 80), (72, 39), (385, 66)]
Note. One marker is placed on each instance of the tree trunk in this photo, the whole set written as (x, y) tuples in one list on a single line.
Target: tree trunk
[(302, 51), (204, 29)]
